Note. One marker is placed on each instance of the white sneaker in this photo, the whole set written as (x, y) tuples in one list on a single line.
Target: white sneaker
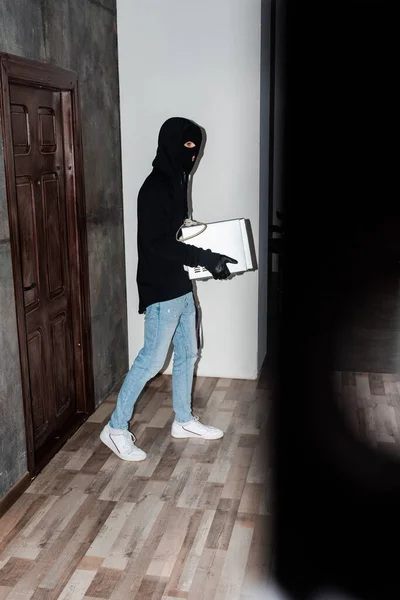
[(122, 442), (195, 429)]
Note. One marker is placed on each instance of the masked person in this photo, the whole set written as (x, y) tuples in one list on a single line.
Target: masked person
[(165, 290)]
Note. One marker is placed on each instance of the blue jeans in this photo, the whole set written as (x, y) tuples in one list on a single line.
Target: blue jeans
[(165, 322)]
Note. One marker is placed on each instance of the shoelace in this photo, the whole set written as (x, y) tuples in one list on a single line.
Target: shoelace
[(195, 418), (133, 438)]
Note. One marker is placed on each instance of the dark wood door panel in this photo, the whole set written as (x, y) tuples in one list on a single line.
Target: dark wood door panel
[(55, 235), (27, 239), (38, 386), (20, 128), (62, 355), (47, 130)]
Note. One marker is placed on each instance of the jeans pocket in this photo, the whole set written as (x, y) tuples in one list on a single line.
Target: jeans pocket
[(152, 312)]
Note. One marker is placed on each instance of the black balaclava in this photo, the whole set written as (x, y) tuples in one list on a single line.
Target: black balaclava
[(173, 158), (192, 133)]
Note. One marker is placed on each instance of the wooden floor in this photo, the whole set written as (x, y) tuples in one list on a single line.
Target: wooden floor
[(368, 339), (191, 521), (371, 405)]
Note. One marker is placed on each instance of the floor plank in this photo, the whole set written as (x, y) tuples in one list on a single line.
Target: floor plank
[(370, 404)]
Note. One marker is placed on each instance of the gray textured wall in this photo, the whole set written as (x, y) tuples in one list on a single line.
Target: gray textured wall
[(80, 35), (12, 431)]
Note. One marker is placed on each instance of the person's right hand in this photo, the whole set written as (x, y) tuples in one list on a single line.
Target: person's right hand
[(219, 270)]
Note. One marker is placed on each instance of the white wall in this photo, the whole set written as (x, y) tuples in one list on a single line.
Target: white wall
[(201, 60)]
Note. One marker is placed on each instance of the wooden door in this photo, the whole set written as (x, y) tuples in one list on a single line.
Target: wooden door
[(44, 180), (37, 132)]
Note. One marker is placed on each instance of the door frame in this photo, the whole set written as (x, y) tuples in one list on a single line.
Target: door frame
[(14, 69)]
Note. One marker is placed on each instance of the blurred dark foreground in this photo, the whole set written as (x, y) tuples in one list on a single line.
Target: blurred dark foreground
[(337, 500)]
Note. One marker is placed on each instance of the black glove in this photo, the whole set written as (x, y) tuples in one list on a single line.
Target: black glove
[(219, 270)]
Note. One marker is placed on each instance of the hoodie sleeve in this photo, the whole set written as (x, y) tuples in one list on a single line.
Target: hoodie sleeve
[(154, 232)]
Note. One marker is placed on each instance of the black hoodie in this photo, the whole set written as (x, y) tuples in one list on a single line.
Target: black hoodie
[(162, 208)]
